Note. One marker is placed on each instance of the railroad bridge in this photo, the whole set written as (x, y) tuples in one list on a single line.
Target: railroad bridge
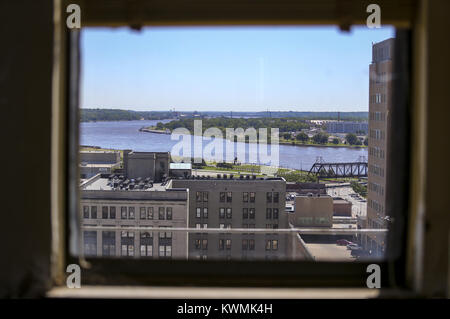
[(330, 170)]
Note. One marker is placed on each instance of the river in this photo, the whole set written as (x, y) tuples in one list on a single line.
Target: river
[(126, 135)]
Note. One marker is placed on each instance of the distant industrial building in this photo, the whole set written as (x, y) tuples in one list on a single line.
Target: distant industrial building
[(347, 127), (95, 162), (153, 165)]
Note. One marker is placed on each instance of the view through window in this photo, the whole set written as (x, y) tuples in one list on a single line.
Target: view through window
[(237, 143)]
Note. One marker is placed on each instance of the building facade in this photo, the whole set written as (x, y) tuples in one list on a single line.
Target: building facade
[(380, 102), (154, 165), (116, 210), (347, 127), (236, 203), (313, 211)]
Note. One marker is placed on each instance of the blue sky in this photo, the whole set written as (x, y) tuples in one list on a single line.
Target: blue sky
[(228, 69)]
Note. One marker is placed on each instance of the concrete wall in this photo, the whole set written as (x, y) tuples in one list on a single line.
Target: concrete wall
[(342, 208), (313, 211), (146, 164), (99, 157)]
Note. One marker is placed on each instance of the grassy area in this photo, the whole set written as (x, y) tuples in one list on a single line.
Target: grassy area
[(296, 176), (359, 189)]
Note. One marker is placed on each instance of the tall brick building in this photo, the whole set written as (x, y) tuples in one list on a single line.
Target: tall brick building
[(380, 103)]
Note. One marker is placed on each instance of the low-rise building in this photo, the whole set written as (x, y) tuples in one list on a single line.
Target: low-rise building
[(98, 161), (342, 207), (110, 215), (153, 165), (313, 211)]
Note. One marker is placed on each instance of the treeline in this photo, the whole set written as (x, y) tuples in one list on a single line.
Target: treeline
[(93, 115), (283, 124), (347, 116)]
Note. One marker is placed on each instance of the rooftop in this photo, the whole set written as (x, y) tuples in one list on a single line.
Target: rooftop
[(115, 182)]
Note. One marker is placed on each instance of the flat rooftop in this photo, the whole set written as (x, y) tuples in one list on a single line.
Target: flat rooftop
[(106, 184)]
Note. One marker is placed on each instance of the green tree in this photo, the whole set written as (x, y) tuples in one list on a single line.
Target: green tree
[(366, 141), (302, 137), (335, 141), (351, 139), (287, 136), (320, 138)]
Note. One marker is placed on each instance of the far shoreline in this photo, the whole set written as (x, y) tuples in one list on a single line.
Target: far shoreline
[(153, 131)]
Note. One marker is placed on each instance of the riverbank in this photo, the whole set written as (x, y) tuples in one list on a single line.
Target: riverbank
[(281, 140)]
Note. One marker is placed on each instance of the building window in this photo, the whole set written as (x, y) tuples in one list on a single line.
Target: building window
[(205, 212), (108, 243), (198, 196), (150, 213), (269, 197), (165, 235), (123, 212), (244, 244), (146, 244), (221, 244), (268, 242), (275, 213), (252, 213), (244, 213), (274, 244), (112, 212), (252, 197), (229, 212), (228, 244), (127, 243), (143, 213), (276, 197), (205, 196), (198, 212), (85, 211), (130, 212), (251, 244), (94, 212), (169, 213), (222, 197), (268, 213), (205, 244), (221, 226), (221, 212), (90, 243), (104, 212), (245, 197), (197, 243), (229, 197), (165, 250), (161, 213)]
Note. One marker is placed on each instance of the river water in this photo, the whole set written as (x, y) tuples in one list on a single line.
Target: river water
[(126, 135)]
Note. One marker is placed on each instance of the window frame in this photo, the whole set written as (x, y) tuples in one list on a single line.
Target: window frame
[(256, 273)]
